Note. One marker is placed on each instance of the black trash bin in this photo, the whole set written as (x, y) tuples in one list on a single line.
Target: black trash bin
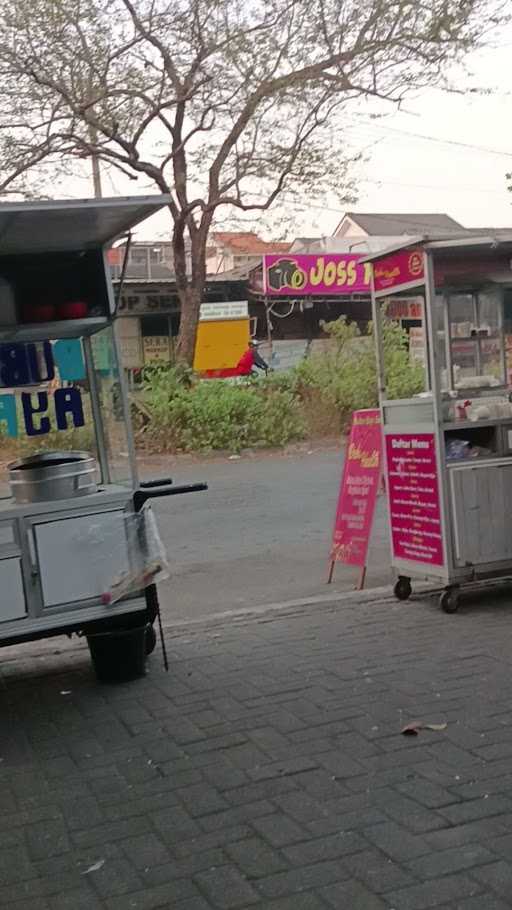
[(118, 655)]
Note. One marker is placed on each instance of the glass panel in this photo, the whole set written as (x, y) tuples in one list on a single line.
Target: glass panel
[(440, 342), (464, 360), (491, 359), (404, 349), (46, 402), (106, 371), (489, 311), (462, 315)]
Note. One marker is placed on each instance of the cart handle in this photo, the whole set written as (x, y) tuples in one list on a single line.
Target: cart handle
[(141, 496), (162, 482)]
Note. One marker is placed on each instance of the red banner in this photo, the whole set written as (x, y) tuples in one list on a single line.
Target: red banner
[(358, 491), (415, 511), (404, 268)]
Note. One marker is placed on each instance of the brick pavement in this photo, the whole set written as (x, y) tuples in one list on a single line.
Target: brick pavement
[(266, 770)]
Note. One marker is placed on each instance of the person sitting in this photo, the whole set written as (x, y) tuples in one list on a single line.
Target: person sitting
[(250, 359)]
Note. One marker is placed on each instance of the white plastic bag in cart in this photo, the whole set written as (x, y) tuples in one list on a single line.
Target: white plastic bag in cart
[(147, 557)]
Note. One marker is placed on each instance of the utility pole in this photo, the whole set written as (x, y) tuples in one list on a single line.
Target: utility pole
[(96, 172)]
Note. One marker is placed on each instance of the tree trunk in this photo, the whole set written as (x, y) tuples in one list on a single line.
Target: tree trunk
[(190, 302)]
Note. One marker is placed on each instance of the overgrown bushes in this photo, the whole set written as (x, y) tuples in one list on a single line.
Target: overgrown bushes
[(315, 398)]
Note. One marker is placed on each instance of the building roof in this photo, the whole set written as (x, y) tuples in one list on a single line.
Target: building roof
[(392, 224), (249, 242)]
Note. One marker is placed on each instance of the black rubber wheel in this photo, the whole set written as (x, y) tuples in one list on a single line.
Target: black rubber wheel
[(118, 655), (449, 601), (402, 589), (150, 639)]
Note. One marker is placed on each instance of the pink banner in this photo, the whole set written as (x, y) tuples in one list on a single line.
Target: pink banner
[(413, 485), (358, 491), (406, 267), (292, 274)]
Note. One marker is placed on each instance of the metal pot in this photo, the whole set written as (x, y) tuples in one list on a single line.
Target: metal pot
[(52, 475)]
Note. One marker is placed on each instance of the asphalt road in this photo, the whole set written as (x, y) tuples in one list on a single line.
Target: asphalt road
[(261, 533)]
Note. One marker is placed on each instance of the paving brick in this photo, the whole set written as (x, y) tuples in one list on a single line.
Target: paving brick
[(446, 862), (447, 890), (378, 872), (232, 817), (352, 895), (427, 793), (481, 903), (340, 764), (279, 830), (145, 850), (324, 848), (115, 877), (226, 888), (202, 799), (15, 866), (47, 838), (304, 879), (301, 807), (255, 858), (477, 808), (497, 876), (110, 833), (174, 824), (396, 843), (308, 901), (152, 898), (184, 867), (78, 899), (407, 812), (483, 830)]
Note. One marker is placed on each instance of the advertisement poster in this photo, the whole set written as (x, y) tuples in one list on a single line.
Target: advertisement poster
[(314, 275), (359, 488), (414, 506), (402, 269)]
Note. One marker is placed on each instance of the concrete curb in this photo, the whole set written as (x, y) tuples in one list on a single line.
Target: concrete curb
[(371, 595)]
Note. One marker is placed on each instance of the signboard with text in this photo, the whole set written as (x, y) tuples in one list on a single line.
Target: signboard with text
[(358, 491), (414, 504), (399, 271), (297, 274)]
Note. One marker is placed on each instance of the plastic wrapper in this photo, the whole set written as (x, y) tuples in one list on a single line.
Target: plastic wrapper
[(146, 557)]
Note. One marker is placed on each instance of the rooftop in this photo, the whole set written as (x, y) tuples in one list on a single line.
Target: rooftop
[(396, 223)]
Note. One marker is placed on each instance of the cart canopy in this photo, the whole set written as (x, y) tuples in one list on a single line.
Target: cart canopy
[(70, 225)]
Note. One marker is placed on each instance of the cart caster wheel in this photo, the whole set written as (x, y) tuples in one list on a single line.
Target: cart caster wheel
[(449, 601), (150, 639), (402, 589)]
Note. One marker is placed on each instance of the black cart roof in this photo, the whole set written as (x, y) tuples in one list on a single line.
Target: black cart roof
[(69, 225)]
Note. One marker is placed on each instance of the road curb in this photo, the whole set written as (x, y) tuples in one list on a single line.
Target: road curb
[(371, 595)]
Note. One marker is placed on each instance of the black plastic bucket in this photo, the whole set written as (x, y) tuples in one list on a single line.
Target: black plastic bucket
[(118, 655)]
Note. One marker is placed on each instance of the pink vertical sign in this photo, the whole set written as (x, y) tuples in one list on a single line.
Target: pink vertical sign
[(358, 491), (414, 505)]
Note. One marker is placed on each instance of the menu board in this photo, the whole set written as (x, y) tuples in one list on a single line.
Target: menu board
[(413, 485), (358, 490)]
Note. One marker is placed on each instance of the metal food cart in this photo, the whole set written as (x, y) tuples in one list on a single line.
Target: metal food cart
[(78, 544), (448, 447)]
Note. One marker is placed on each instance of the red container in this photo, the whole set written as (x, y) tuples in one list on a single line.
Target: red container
[(39, 312), (72, 309)]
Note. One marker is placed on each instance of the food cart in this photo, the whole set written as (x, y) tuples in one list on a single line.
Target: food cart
[(79, 547), (448, 448)]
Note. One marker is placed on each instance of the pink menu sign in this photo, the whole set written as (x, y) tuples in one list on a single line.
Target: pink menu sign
[(413, 490), (358, 491)]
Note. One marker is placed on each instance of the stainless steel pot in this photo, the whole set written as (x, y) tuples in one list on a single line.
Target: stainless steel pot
[(52, 475)]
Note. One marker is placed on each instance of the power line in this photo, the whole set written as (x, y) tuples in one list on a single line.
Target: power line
[(438, 139)]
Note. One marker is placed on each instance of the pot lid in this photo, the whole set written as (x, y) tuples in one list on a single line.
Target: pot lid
[(70, 225)]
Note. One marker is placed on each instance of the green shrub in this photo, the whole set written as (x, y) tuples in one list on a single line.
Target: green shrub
[(215, 414)]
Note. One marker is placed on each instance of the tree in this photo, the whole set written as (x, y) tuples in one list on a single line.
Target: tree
[(216, 102)]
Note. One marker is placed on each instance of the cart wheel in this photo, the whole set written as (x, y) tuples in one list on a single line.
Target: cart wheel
[(449, 600), (402, 589), (150, 639)]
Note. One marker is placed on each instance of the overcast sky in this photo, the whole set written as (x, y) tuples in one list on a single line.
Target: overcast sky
[(405, 173)]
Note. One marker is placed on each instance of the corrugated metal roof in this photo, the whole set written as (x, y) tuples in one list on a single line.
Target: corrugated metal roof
[(393, 224), (77, 224)]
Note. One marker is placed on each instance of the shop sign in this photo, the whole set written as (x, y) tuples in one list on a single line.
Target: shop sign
[(230, 309), (135, 304), (314, 275), (404, 308), (156, 348), (405, 268), (414, 506), (358, 491), (130, 349)]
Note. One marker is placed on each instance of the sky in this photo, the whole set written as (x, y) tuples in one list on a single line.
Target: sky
[(444, 153)]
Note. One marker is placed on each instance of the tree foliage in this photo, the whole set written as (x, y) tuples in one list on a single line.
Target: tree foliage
[(220, 103)]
